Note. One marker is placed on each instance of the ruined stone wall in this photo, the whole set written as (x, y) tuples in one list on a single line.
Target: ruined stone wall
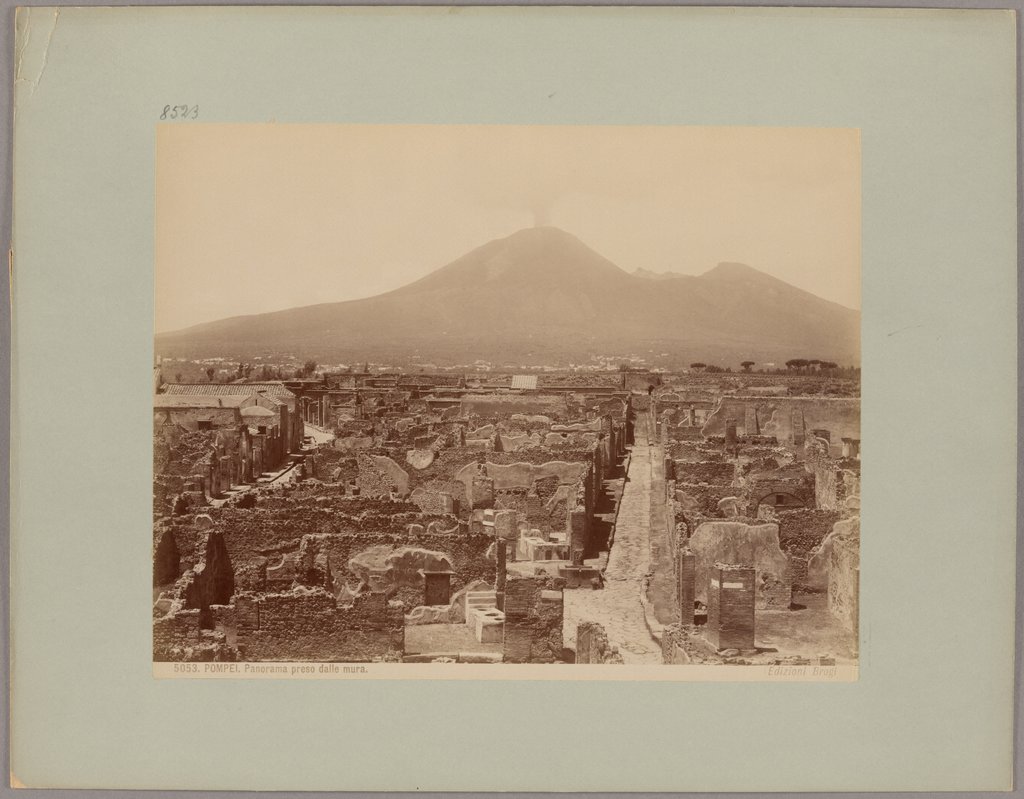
[(512, 499), (380, 476), (469, 554), (834, 484), (176, 458), (166, 558), (334, 466), (701, 501), (257, 538), (789, 419), (440, 474), (844, 574), (672, 650), (695, 451), (433, 502), (742, 544), (711, 472), (795, 482), (803, 529), (177, 631), (592, 645), (496, 407), (309, 625)]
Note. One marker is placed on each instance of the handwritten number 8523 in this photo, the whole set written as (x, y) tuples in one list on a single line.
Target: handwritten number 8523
[(180, 112)]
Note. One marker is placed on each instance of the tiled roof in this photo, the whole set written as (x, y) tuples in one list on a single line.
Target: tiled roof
[(277, 402), (271, 389), (524, 381)]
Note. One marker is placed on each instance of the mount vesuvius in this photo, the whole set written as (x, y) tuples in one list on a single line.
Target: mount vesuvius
[(543, 296)]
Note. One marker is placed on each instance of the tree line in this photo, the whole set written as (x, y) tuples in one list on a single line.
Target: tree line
[(793, 366)]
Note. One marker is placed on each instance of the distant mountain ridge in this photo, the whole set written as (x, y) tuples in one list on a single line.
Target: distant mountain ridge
[(543, 296), (647, 274)]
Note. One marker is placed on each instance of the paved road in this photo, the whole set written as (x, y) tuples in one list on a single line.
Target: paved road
[(318, 434), (617, 606)]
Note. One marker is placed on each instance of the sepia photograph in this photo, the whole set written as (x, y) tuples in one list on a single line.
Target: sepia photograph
[(507, 395), (507, 367)]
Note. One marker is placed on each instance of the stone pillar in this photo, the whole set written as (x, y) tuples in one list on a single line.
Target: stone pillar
[(499, 575), (577, 535), (687, 584), (506, 530), (731, 607), (730, 432), (798, 427), (750, 427), (691, 416)]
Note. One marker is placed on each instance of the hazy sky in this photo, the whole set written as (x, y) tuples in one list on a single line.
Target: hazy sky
[(254, 218)]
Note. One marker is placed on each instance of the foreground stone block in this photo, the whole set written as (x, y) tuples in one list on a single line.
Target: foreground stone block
[(730, 622)]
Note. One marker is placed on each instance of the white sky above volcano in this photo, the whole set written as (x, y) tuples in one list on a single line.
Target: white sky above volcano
[(255, 218)]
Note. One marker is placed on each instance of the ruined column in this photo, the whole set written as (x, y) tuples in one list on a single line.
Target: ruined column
[(731, 607), (687, 584)]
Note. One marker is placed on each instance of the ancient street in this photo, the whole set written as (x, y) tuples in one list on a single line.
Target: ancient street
[(618, 607)]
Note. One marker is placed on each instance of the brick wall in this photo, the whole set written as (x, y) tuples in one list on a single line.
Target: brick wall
[(730, 622), (533, 620), (712, 472)]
